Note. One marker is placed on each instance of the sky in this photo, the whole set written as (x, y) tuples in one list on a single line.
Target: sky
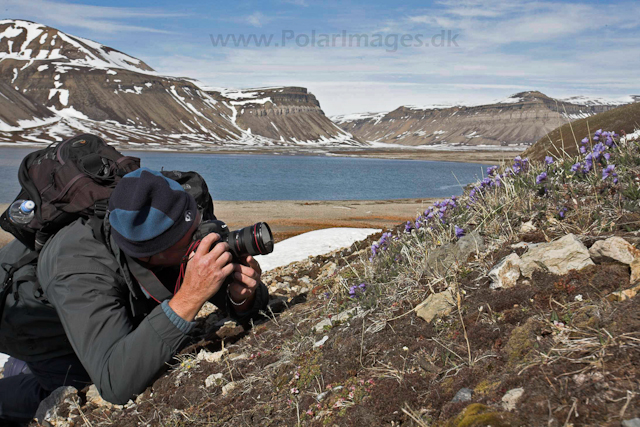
[(359, 56)]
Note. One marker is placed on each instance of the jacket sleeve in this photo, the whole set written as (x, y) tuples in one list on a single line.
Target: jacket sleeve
[(121, 359)]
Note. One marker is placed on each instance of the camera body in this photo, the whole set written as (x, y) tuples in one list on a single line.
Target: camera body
[(252, 240)]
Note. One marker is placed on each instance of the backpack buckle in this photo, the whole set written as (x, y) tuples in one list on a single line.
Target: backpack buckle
[(100, 208)]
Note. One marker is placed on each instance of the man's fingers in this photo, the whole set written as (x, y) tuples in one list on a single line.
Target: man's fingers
[(247, 271), (205, 245), (246, 280)]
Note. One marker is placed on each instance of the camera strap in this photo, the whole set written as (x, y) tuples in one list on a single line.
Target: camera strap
[(148, 281)]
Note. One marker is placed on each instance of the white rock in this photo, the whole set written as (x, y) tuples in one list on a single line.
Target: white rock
[(440, 304), (527, 227), (618, 249), (510, 399), (94, 397), (321, 342), (558, 257), (213, 379), (506, 273), (228, 388), (341, 317), (207, 356)]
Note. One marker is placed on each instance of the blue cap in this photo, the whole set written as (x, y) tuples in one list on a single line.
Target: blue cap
[(149, 213)]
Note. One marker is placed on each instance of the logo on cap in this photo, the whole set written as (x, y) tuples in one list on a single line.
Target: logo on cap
[(188, 217)]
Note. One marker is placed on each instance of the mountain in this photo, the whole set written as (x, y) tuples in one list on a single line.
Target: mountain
[(622, 120), (57, 85), (520, 119)]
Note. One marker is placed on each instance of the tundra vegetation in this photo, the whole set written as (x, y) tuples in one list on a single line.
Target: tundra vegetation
[(511, 305)]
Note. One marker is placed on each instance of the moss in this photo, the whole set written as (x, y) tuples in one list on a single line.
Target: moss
[(486, 387), (477, 415), (522, 341)]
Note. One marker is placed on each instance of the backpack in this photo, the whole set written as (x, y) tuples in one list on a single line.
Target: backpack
[(72, 179)]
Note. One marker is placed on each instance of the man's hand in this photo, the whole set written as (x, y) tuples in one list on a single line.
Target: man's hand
[(246, 278), (206, 271)]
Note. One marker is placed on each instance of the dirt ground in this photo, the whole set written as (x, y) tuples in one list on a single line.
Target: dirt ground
[(289, 218)]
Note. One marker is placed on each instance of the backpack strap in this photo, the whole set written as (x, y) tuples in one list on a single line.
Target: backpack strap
[(28, 258), (148, 281)]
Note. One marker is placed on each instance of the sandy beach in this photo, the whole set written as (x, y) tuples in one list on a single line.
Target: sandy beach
[(288, 218)]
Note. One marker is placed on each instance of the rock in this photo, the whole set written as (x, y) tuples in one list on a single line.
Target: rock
[(229, 387), (207, 309), (510, 398), (634, 422), (557, 257), (524, 245), (229, 329), (624, 294), (213, 379), (463, 395), (527, 227), (321, 342), (506, 273), (93, 396), (341, 317), (210, 357), (617, 249), (329, 269), (47, 410), (441, 259), (440, 304)]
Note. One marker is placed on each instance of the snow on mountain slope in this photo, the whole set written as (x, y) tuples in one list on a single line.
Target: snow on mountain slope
[(57, 85), (25, 40), (520, 119)]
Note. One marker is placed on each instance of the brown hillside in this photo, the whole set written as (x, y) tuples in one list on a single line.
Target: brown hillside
[(623, 119)]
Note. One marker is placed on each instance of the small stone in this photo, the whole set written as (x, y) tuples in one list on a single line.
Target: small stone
[(510, 398), (440, 304), (463, 395), (210, 357), (321, 342), (618, 249), (341, 317), (506, 273), (207, 309), (93, 396), (47, 408), (229, 329), (633, 422), (213, 379), (527, 227), (228, 388)]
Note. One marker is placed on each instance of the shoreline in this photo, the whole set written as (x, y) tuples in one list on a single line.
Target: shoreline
[(453, 154), (289, 218)]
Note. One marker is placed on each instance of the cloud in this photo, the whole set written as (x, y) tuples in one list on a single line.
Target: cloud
[(95, 18), (257, 19), (302, 3)]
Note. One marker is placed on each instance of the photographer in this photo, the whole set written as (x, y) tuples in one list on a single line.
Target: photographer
[(115, 313)]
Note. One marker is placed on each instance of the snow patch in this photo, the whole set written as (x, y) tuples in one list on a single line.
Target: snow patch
[(313, 243)]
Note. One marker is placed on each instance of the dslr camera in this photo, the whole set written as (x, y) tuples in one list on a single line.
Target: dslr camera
[(255, 239)]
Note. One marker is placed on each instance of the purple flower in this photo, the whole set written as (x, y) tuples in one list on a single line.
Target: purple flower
[(548, 160), (459, 231), (561, 212), (576, 167), (598, 132), (541, 177), (583, 149), (608, 171), (408, 227), (492, 170), (585, 140)]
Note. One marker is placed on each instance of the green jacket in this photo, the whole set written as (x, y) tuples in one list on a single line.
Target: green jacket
[(93, 306)]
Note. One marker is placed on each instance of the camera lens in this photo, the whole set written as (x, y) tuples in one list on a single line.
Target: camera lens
[(253, 240)]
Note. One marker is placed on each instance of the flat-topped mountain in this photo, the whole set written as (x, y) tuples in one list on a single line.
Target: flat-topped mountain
[(57, 85), (522, 118)]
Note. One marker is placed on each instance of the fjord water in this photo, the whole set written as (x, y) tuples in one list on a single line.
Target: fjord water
[(284, 177)]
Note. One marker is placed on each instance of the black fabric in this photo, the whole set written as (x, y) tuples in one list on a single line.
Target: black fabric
[(20, 394)]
